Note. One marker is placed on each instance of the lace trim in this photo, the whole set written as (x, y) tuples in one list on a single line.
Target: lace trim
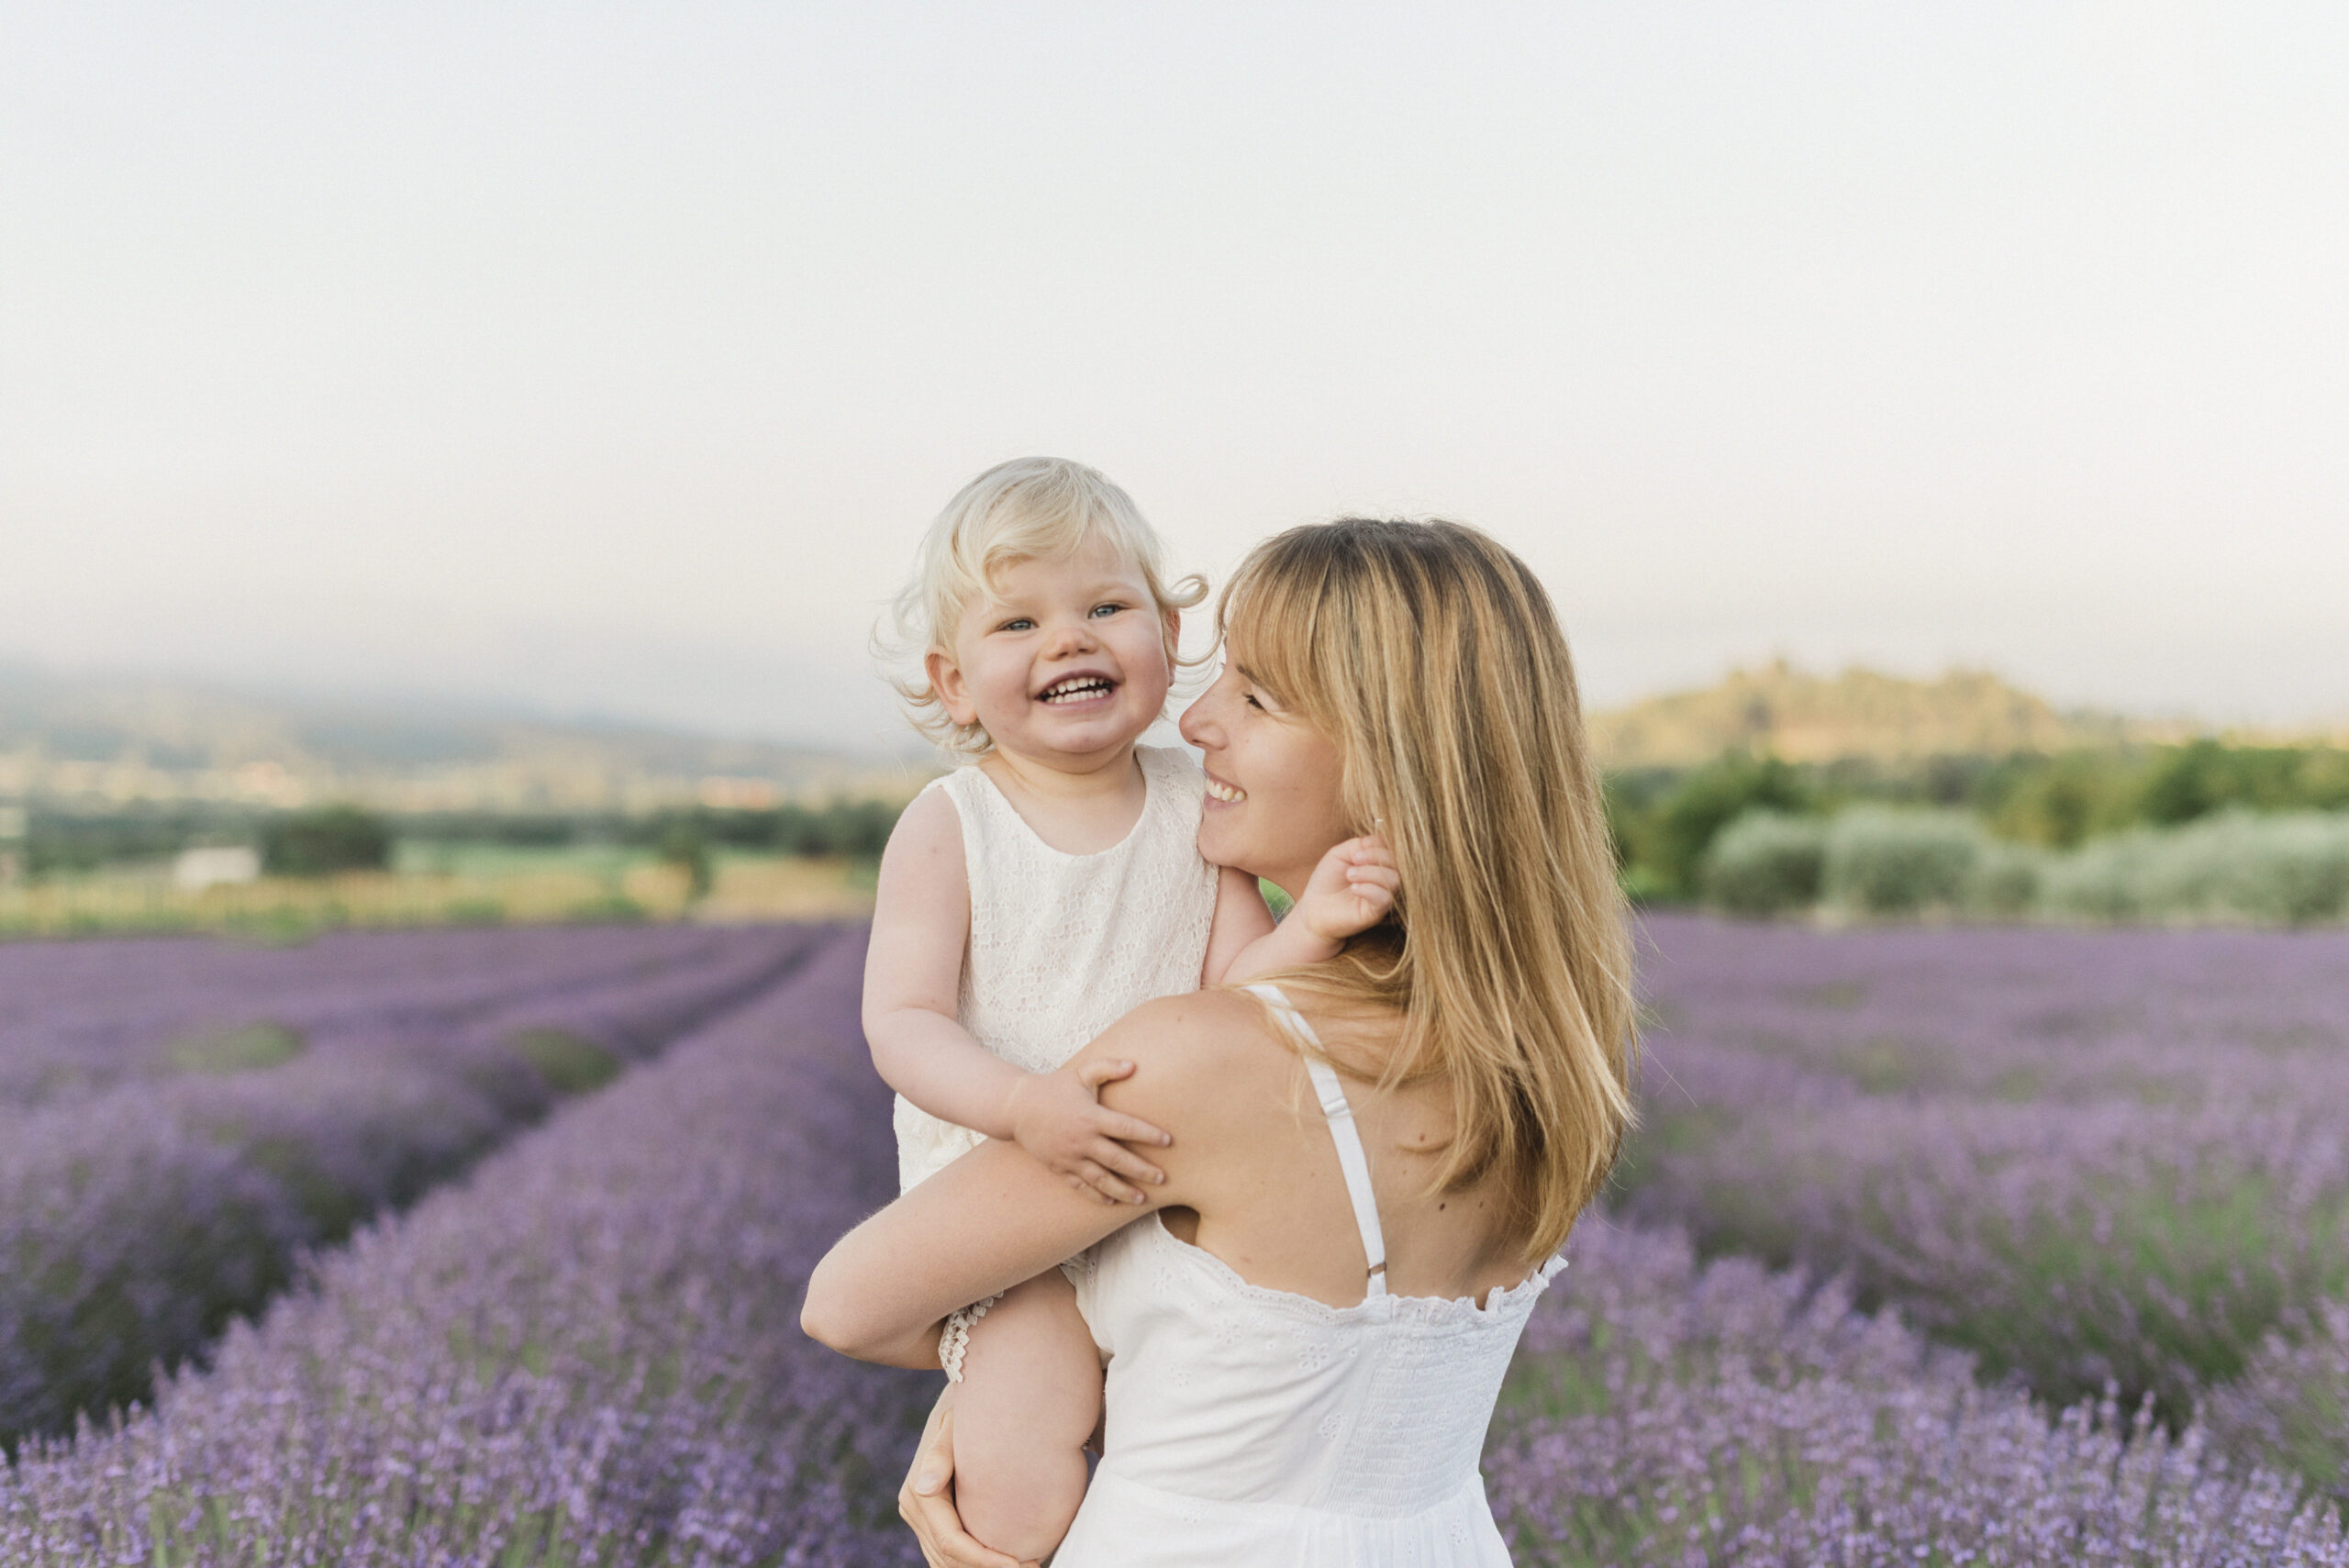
[(1425, 1310), (954, 1340)]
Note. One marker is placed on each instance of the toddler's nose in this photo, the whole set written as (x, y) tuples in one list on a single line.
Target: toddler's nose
[(1070, 637)]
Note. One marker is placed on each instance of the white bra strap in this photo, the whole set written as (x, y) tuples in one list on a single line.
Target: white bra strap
[(1345, 1135)]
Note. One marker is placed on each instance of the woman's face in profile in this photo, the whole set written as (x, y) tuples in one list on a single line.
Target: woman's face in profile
[(1272, 806)]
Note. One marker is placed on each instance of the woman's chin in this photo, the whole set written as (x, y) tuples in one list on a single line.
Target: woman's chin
[(1219, 845)]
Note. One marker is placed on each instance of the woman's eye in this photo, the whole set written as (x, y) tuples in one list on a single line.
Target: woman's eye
[(1251, 700)]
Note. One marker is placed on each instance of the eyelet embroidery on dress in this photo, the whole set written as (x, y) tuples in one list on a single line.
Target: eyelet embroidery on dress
[(1062, 946)]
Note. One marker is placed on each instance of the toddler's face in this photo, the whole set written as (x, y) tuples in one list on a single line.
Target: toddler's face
[(1064, 661)]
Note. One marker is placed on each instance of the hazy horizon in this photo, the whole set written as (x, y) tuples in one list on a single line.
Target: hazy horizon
[(610, 364)]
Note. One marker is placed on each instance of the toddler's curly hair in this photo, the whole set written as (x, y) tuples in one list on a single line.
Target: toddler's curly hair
[(1031, 508)]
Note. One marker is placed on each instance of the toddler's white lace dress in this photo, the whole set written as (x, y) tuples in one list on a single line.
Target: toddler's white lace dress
[(1062, 946), (1250, 1428)]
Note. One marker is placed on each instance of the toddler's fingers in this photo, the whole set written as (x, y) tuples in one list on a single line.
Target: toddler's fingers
[(1126, 1164), (1108, 1185), (1093, 1074), (1129, 1130)]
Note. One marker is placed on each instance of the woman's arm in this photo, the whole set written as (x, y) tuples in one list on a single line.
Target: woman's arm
[(995, 1216), (991, 1219)]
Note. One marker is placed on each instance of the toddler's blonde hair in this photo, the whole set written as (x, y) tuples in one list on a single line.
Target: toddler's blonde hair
[(1031, 508)]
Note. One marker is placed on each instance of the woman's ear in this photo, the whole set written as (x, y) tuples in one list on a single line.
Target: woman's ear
[(953, 691)]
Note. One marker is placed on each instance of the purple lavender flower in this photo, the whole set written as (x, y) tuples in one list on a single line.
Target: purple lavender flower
[(145, 1205)]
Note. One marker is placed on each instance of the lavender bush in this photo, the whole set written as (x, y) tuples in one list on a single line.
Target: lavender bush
[(2088, 1156), (135, 1222), (2290, 1408), (1664, 1413), (585, 1352)]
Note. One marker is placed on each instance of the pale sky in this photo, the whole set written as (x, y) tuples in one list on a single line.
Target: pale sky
[(611, 358)]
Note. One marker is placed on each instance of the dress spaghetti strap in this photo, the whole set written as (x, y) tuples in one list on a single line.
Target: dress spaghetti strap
[(1344, 1133)]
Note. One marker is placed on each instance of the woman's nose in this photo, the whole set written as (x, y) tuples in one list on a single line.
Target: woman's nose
[(1197, 725)]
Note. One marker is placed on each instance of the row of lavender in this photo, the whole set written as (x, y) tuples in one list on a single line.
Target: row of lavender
[(2091, 1158), (587, 1352), (78, 1018), (145, 1205)]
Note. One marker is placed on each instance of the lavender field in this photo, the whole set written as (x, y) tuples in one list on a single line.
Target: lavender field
[(2092, 1157), (179, 1120), (1865, 1350)]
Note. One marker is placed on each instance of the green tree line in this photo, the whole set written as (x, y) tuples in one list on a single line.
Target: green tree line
[(1665, 820)]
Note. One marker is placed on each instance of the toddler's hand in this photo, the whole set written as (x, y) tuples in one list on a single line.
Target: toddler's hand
[(1058, 1119), (1350, 890)]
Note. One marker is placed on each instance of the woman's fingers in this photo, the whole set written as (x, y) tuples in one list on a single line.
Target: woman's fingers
[(926, 1501)]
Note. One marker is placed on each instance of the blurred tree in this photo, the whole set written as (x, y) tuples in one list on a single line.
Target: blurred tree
[(325, 839), (2063, 800), (1707, 800), (685, 844), (2195, 780)]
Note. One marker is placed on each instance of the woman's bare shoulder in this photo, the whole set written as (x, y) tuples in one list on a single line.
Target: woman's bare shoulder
[(1191, 1053)]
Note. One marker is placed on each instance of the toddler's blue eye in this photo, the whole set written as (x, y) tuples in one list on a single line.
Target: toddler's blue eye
[(1020, 624), (1107, 609)]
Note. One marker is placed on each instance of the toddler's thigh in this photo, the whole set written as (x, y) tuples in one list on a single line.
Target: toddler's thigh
[(1032, 1363)]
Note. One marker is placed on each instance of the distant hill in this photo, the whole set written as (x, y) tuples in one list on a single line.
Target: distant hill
[(1807, 717), (106, 740)]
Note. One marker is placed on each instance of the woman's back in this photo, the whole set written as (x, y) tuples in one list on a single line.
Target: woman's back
[(1249, 1424)]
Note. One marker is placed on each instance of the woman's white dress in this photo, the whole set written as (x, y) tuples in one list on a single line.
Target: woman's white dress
[(1250, 1428)]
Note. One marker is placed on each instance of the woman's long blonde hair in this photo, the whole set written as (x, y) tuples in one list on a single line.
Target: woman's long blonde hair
[(1431, 656)]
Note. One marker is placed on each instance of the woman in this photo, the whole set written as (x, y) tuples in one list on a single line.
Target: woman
[(1372, 1162)]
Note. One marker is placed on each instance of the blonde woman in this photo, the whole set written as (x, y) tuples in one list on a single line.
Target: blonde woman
[(1375, 1161)]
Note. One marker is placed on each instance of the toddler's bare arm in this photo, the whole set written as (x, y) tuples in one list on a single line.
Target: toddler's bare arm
[(1352, 890), (913, 975)]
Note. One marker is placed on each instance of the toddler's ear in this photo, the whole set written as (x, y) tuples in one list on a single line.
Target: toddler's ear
[(1173, 618), (953, 691)]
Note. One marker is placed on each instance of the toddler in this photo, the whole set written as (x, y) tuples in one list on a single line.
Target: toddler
[(1034, 897)]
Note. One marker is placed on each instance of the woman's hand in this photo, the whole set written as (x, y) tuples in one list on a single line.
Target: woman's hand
[(926, 1501), (1058, 1119)]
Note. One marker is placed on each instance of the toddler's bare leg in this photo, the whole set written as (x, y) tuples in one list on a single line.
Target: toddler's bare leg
[(1030, 1397)]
